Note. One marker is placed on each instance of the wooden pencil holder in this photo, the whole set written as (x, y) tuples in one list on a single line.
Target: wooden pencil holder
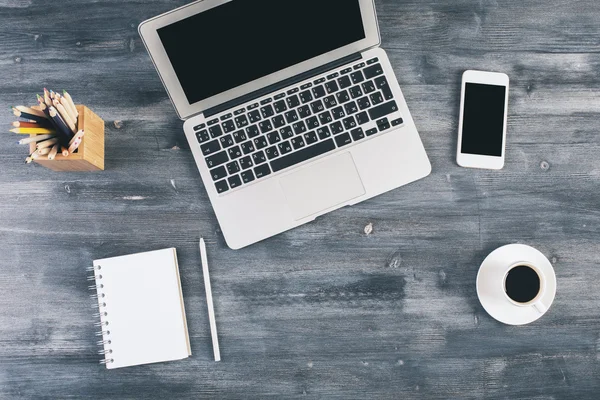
[(90, 154)]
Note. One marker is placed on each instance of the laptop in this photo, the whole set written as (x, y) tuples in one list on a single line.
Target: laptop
[(291, 108)]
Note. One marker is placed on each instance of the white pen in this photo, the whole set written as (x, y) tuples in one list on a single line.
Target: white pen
[(209, 301)]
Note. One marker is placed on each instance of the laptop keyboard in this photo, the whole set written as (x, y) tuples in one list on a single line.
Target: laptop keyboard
[(291, 127)]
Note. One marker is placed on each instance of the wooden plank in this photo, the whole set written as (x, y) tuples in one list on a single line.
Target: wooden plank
[(323, 311)]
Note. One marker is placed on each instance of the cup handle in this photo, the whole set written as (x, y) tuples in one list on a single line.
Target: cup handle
[(540, 307)]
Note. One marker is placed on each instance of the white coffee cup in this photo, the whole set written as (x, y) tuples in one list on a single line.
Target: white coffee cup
[(536, 302)]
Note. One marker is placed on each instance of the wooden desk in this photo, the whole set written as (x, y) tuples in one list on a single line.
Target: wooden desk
[(323, 311)]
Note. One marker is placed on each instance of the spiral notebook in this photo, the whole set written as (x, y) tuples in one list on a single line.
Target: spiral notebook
[(141, 310)]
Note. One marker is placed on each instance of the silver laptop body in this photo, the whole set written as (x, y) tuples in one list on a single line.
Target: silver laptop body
[(291, 108)]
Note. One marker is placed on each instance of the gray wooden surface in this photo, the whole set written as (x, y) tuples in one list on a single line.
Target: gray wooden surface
[(323, 311)]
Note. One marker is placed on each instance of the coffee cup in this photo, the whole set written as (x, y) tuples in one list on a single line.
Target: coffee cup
[(524, 285)]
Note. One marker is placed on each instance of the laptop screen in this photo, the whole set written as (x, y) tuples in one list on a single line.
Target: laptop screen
[(244, 40)]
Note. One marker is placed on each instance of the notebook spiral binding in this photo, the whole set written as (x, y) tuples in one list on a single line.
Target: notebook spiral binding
[(102, 315)]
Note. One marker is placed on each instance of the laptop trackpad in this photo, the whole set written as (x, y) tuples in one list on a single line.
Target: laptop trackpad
[(322, 186)]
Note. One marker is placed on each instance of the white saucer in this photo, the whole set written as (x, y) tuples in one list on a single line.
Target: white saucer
[(491, 276)]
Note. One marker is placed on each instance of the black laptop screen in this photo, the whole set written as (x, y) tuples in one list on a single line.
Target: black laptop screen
[(244, 40)]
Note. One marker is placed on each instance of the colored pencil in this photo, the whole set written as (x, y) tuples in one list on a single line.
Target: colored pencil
[(78, 136), (65, 151), (74, 146), (30, 117), (24, 124), (47, 98), (36, 139), (69, 99), (32, 131), (65, 115), (44, 151), (29, 110), (47, 143), (67, 107), (63, 129), (53, 152)]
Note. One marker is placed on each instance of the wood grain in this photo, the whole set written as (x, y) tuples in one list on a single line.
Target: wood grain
[(323, 311)]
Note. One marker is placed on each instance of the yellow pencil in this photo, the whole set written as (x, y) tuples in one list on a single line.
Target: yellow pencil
[(32, 131)]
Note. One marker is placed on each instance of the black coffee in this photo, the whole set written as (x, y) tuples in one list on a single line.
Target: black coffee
[(522, 284)]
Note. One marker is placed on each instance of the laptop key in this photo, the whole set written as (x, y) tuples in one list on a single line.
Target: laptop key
[(217, 159), (210, 147), (371, 132), (383, 110), (254, 116), (323, 133), (272, 152), (372, 61), (252, 106), (397, 122), (336, 128), (239, 136), (222, 186), (349, 123), (279, 96), (305, 96), (293, 101), (302, 155), (368, 87), (357, 77), (228, 126), (213, 121), (247, 147), (286, 132), (227, 141), (338, 112), (278, 121), (284, 147), (248, 176), (198, 127), (359, 66), (241, 121), (280, 106), (319, 81), (299, 127), (318, 92), (298, 143), (234, 152), (350, 108), (312, 123), (317, 106), (342, 97), (215, 131), (355, 92), (363, 103), (344, 82), (262, 171), (343, 139), (373, 71), (306, 86), (376, 98), (252, 131), (234, 181), (246, 162), (291, 116), (325, 118), (311, 137), (218, 173), (332, 76), (267, 111), (383, 124), (202, 136), (357, 134), (304, 111), (273, 137), (292, 91), (266, 101), (330, 101), (260, 142), (265, 126), (240, 111), (347, 70), (362, 118), (233, 167), (331, 87), (259, 157)]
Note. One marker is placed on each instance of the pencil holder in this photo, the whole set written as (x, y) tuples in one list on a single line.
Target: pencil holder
[(90, 154)]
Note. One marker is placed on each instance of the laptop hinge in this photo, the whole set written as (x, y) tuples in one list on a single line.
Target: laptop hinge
[(280, 85)]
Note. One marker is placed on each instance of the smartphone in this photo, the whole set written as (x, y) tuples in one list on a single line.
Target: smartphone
[(482, 123)]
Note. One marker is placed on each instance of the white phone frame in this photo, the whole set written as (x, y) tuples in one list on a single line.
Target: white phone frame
[(474, 160)]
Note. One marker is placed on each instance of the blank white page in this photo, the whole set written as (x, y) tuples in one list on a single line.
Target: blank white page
[(144, 308)]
